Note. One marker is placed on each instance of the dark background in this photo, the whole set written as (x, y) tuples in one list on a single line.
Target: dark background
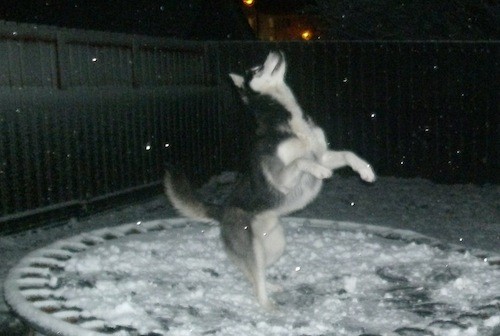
[(224, 19), (413, 108), (193, 19)]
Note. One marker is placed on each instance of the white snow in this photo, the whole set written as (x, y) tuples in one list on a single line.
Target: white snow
[(492, 321), (179, 282)]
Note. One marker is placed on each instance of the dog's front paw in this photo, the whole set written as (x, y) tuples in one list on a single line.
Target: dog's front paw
[(313, 168), (367, 174), (321, 172)]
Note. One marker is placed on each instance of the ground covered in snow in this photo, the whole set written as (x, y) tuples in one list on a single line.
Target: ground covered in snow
[(353, 293)]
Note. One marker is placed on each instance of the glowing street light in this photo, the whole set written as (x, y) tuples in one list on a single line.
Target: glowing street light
[(248, 3), (306, 35)]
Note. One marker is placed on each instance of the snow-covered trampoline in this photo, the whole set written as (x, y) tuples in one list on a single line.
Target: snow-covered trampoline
[(171, 277)]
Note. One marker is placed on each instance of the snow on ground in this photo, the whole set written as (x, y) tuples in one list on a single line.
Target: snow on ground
[(461, 214), (178, 282)]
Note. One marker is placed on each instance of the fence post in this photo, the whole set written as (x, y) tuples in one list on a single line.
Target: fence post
[(61, 55)]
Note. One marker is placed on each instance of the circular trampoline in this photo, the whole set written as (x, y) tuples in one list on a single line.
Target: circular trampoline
[(171, 277)]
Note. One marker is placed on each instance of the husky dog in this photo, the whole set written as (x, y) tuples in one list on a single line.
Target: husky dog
[(288, 163)]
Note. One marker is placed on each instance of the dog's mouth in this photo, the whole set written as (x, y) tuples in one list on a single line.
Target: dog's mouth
[(272, 70), (274, 61)]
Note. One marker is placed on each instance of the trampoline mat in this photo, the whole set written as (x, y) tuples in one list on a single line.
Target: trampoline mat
[(172, 277)]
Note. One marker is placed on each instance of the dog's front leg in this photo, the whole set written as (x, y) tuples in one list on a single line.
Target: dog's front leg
[(339, 159), (286, 177)]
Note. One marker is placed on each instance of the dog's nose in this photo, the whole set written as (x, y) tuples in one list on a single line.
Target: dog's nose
[(280, 55), (276, 54)]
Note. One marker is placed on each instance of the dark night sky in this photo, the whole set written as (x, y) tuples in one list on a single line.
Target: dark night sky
[(193, 19), (223, 19)]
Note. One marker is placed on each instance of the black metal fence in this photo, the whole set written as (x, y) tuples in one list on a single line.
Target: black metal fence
[(414, 109), (86, 116)]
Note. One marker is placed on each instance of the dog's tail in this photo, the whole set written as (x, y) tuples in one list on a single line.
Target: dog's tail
[(182, 196)]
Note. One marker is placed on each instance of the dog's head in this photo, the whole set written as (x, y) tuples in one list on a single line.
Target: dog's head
[(263, 79)]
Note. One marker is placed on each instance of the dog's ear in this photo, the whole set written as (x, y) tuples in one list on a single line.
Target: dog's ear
[(237, 80)]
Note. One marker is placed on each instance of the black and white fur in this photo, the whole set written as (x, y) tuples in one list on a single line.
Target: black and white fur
[(288, 163)]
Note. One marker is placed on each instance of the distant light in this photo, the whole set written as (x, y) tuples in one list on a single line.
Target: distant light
[(249, 3), (307, 35)]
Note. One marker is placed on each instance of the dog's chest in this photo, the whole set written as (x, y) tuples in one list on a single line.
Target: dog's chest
[(304, 193), (308, 142)]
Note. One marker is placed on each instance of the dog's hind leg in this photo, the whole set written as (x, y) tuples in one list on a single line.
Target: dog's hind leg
[(254, 269), (242, 235), (267, 229), (258, 276), (268, 246), (339, 159)]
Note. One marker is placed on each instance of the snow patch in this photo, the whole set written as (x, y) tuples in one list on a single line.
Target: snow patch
[(178, 281)]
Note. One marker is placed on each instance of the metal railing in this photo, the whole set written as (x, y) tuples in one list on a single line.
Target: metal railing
[(414, 108), (88, 116)]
